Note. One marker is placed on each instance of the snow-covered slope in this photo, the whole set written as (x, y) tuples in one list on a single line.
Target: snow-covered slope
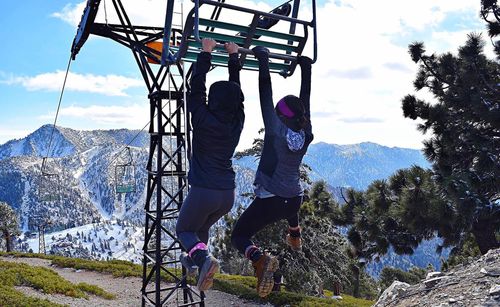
[(112, 239)]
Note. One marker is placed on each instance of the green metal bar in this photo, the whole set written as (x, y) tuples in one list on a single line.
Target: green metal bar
[(228, 26), (241, 40), (191, 56)]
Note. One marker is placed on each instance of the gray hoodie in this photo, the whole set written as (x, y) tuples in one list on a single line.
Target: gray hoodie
[(278, 172)]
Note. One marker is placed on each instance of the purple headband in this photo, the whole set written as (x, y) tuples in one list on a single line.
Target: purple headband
[(284, 109)]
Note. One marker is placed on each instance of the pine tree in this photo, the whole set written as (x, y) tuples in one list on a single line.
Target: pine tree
[(464, 122), (9, 224), (397, 213)]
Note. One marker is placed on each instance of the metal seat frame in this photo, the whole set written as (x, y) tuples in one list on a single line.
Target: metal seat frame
[(120, 169), (286, 53), (48, 193)]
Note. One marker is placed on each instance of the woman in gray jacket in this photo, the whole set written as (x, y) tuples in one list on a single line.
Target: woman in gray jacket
[(278, 192)]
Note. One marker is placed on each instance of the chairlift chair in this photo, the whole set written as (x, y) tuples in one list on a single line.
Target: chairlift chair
[(285, 47), (125, 175), (48, 185)]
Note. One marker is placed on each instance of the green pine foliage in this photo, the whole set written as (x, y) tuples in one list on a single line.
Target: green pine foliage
[(468, 250), (463, 121), (9, 225), (398, 213), (390, 274)]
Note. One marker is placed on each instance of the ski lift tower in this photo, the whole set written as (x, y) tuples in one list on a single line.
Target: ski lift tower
[(167, 162), (41, 223)]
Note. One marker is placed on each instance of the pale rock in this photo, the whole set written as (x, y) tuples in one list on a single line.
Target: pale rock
[(394, 290), (429, 283), (433, 275), (495, 290)]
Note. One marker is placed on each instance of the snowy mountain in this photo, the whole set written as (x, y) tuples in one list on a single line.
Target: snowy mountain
[(83, 188), (82, 163), (355, 165)]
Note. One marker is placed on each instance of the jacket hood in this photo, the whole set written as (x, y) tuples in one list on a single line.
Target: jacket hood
[(225, 98)]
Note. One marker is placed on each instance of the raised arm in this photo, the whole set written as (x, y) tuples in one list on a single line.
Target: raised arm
[(305, 86), (265, 89), (198, 95), (233, 63)]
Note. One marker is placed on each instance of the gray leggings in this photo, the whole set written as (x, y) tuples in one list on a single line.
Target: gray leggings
[(201, 209)]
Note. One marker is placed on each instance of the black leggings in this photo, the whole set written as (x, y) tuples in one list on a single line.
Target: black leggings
[(262, 212)]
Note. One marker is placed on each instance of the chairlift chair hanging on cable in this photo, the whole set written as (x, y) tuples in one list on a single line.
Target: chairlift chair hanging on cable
[(125, 175), (48, 185)]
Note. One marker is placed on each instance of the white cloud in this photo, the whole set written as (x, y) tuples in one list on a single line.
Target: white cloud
[(71, 13), (7, 134), (142, 12), (110, 85), (130, 116)]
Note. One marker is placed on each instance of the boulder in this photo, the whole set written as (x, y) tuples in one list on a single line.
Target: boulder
[(395, 289)]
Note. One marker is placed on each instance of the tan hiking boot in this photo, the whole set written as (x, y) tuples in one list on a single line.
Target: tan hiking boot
[(264, 271), (207, 272), (295, 243)]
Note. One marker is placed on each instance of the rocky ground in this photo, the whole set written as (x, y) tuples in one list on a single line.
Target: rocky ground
[(476, 283), (127, 290)]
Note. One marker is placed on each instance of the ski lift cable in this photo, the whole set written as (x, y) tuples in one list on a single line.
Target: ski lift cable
[(105, 13), (57, 112), (124, 147), (130, 142)]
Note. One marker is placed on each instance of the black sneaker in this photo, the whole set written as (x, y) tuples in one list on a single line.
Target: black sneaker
[(207, 272), (267, 22)]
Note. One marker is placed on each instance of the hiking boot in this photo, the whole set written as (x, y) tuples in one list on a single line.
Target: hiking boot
[(264, 271), (188, 263), (207, 272), (295, 243)]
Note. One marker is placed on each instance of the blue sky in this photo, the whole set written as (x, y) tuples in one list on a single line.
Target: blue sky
[(361, 75)]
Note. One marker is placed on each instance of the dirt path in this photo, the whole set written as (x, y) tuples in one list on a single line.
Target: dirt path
[(127, 290)]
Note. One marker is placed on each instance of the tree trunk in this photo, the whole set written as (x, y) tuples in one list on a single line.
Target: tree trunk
[(484, 232), (355, 290), (8, 240)]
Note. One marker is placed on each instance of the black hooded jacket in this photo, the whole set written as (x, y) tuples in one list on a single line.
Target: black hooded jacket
[(216, 126)]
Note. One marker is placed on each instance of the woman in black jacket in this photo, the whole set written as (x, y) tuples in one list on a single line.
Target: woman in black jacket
[(216, 132)]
